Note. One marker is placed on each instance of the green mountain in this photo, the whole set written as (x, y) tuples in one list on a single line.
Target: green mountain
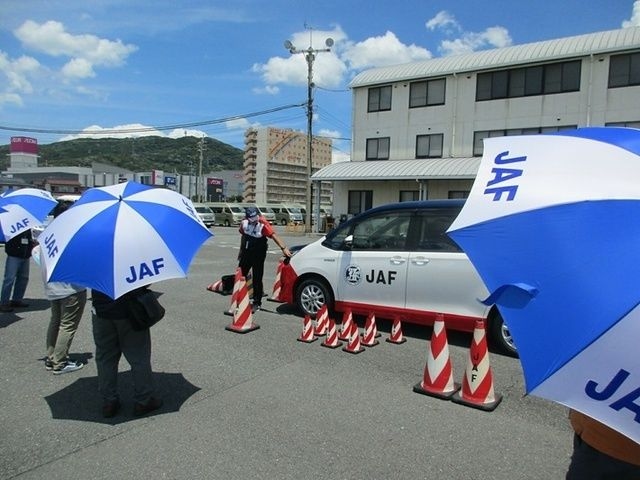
[(180, 155)]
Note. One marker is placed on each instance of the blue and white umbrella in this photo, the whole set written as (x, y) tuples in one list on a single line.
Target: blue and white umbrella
[(552, 225), (23, 209), (117, 238)]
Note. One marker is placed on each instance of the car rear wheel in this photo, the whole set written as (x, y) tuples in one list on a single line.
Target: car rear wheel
[(311, 294), (500, 335)]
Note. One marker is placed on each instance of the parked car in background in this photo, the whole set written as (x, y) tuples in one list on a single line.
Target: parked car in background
[(205, 213), (395, 261), (268, 213), (227, 214), (286, 213)]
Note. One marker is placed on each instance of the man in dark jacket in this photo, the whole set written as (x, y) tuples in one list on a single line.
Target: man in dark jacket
[(16, 271)]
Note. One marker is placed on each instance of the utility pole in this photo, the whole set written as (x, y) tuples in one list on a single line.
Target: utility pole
[(199, 180), (310, 56)]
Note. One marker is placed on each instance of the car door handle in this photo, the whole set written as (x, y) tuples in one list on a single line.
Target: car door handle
[(397, 260), (420, 261)]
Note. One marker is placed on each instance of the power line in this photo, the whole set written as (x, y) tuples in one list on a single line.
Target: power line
[(153, 128)]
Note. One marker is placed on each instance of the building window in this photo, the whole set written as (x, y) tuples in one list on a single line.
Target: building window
[(409, 195), (479, 136), (359, 201), (624, 70), (379, 99), (521, 82), (623, 124), (378, 148), (458, 194), (429, 146), (427, 93)]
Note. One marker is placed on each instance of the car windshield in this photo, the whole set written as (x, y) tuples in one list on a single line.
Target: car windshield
[(295, 210), (236, 210), (203, 210)]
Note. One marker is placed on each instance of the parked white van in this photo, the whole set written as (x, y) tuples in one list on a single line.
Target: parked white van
[(227, 214), (205, 213), (287, 213), (395, 261)]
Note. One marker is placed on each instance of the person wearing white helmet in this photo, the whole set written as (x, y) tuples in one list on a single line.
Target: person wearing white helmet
[(255, 231)]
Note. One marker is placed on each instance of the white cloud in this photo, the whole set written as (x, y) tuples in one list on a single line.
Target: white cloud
[(78, 68), (442, 20), (16, 77), (329, 133), (492, 37), (381, 51), (267, 90), (240, 124), (131, 130), (338, 156), (634, 21)]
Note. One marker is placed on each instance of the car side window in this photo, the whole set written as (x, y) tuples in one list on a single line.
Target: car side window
[(385, 232), (432, 235)]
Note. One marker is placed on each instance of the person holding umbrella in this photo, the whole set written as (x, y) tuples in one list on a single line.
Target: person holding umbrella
[(254, 231), (16, 271)]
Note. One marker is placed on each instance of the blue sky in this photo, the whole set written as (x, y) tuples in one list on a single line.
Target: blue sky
[(69, 66)]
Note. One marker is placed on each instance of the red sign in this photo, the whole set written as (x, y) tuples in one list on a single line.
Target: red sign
[(24, 145), (214, 181)]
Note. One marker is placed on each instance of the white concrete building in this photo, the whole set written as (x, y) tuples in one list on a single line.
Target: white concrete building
[(418, 127)]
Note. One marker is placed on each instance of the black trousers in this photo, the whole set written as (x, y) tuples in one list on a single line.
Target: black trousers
[(587, 463), (253, 259)]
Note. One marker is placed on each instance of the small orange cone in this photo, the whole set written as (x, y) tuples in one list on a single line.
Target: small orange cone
[(322, 318), (396, 332), (277, 285), (215, 287), (331, 340), (438, 373), (370, 331), (242, 317), (234, 294), (347, 322), (307, 331), (353, 345), (477, 384)]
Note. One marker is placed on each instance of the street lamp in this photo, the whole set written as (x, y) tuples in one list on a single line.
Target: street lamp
[(310, 56)]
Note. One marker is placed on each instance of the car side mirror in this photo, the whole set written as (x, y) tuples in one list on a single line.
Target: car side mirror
[(348, 242)]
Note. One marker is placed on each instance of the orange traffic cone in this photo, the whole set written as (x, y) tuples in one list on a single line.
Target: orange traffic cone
[(347, 322), (242, 317), (322, 318), (438, 374), (477, 384), (353, 345), (396, 332), (331, 340), (277, 285), (234, 294), (307, 331), (249, 280), (215, 287), (370, 331)]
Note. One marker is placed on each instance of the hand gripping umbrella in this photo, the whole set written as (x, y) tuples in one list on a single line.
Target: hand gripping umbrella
[(552, 224), (23, 209), (117, 238)]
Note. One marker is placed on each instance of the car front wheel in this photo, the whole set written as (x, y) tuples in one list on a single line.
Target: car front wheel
[(500, 335), (311, 294)]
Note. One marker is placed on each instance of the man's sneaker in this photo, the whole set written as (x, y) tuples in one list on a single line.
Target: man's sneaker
[(68, 367), (5, 307), (18, 304), (152, 404), (111, 408), (48, 364), (255, 307)]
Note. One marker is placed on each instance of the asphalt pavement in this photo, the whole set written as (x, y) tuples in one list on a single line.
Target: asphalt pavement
[(261, 405)]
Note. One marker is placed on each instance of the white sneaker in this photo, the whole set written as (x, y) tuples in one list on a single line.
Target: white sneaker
[(68, 367)]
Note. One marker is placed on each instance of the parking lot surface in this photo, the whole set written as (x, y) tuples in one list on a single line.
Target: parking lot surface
[(261, 405)]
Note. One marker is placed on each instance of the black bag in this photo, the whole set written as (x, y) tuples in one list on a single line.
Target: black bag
[(144, 310)]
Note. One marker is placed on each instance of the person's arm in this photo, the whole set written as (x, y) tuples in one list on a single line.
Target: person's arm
[(281, 244)]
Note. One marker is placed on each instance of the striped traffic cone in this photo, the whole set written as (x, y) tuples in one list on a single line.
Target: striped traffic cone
[(345, 328), (249, 280), (477, 384), (370, 331), (242, 317), (322, 318), (307, 331), (438, 373), (396, 332), (215, 287), (353, 345), (331, 340), (277, 285), (234, 294)]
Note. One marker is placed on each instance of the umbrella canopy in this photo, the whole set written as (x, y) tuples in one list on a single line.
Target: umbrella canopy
[(23, 209), (118, 238), (552, 224)]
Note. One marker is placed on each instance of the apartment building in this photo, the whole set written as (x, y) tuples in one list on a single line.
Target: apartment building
[(275, 166), (418, 128)]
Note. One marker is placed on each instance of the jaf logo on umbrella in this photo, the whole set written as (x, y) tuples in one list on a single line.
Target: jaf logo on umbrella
[(117, 238)]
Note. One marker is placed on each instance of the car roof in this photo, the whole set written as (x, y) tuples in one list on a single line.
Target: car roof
[(416, 205)]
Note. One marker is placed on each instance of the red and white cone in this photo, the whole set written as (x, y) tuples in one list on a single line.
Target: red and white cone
[(234, 294), (345, 328), (477, 384), (396, 332), (249, 280), (277, 285), (331, 340), (354, 345), (307, 331), (242, 317), (437, 380), (322, 319), (215, 287), (370, 331)]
